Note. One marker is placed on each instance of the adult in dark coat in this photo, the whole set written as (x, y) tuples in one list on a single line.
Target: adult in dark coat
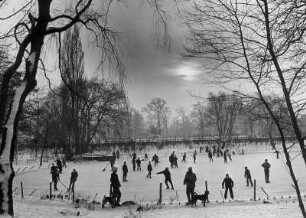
[(116, 186), (189, 181), (266, 167), (138, 161), (229, 184), (149, 169), (125, 171), (59, 165), (247, 175), (73, 178), (55, 176), (167, 174)]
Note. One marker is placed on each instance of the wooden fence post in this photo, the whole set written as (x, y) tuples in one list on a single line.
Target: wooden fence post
[(254, 189), (21, 186), (206, 189), (50, 193), (160, 193)]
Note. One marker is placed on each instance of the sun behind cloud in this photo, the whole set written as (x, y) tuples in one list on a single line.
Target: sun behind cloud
[(189, 71)]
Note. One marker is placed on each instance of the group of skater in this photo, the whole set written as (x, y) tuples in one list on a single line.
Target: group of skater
[(190, 176), (189, 179)]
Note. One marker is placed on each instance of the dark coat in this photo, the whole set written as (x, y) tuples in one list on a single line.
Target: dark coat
[(190, 179), (74, 176), (166, 173), (149, 167), (228, 182), (125, 168), (115, 180), (266, 166)]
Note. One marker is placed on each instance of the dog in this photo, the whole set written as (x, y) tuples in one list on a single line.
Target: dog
[(110, 200), (203, 198)]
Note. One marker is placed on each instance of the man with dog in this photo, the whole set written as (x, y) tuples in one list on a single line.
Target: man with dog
[(190, 180), (229, 184), (116, 186)]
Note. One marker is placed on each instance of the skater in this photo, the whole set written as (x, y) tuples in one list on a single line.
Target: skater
[(167, 174), (225, 157), (175, 161), (134, 164), (210, 155), (124, 171), (247, 175), (184, 157), (64, 162), (194, 156), (146, 156), (118, 154), (116, 186), (266, 167), (277, 154), (59, 165), (149, 169), (55, 176), (138, 161), (189, 181), (73, 178), (229, 184)]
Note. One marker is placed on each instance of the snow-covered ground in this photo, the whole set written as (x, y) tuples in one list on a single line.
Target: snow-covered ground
[(92, 179)]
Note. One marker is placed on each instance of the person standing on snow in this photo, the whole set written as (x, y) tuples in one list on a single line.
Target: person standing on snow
[(247, 175), (266, 167), (149, 169), (116, 186), (55, 176), (189, 181), (167, 174), (73, 178), (138, 161), (124, 171), (229, 184)]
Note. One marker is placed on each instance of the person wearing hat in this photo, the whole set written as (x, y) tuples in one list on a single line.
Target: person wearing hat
[(189, 181), (116, 186), (167, 174), (229, 184), (266, 167)]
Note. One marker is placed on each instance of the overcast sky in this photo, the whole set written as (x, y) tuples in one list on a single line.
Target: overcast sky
[(151, 72)]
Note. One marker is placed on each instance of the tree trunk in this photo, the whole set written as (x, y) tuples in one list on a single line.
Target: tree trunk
[(9, 128)]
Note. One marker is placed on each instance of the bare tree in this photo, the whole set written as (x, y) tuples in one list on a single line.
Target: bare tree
[(157, 113), (199, 115), (222, 111), (259, 42), (37, 20)]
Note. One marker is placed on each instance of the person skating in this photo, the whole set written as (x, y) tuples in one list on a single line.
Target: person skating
[(55, 176), (189, 181), (266, 167), (167, 174), (229, 184), (134, 164), (149, 169), (138, 161), (247, 175), (125, 171), (116, 186), (64, 162), (184, 157), (194, 156), (225, 157), (59, 165), (210, 155), (73, 178)]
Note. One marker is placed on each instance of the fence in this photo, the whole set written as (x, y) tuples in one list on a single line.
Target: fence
[(160, 196)]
